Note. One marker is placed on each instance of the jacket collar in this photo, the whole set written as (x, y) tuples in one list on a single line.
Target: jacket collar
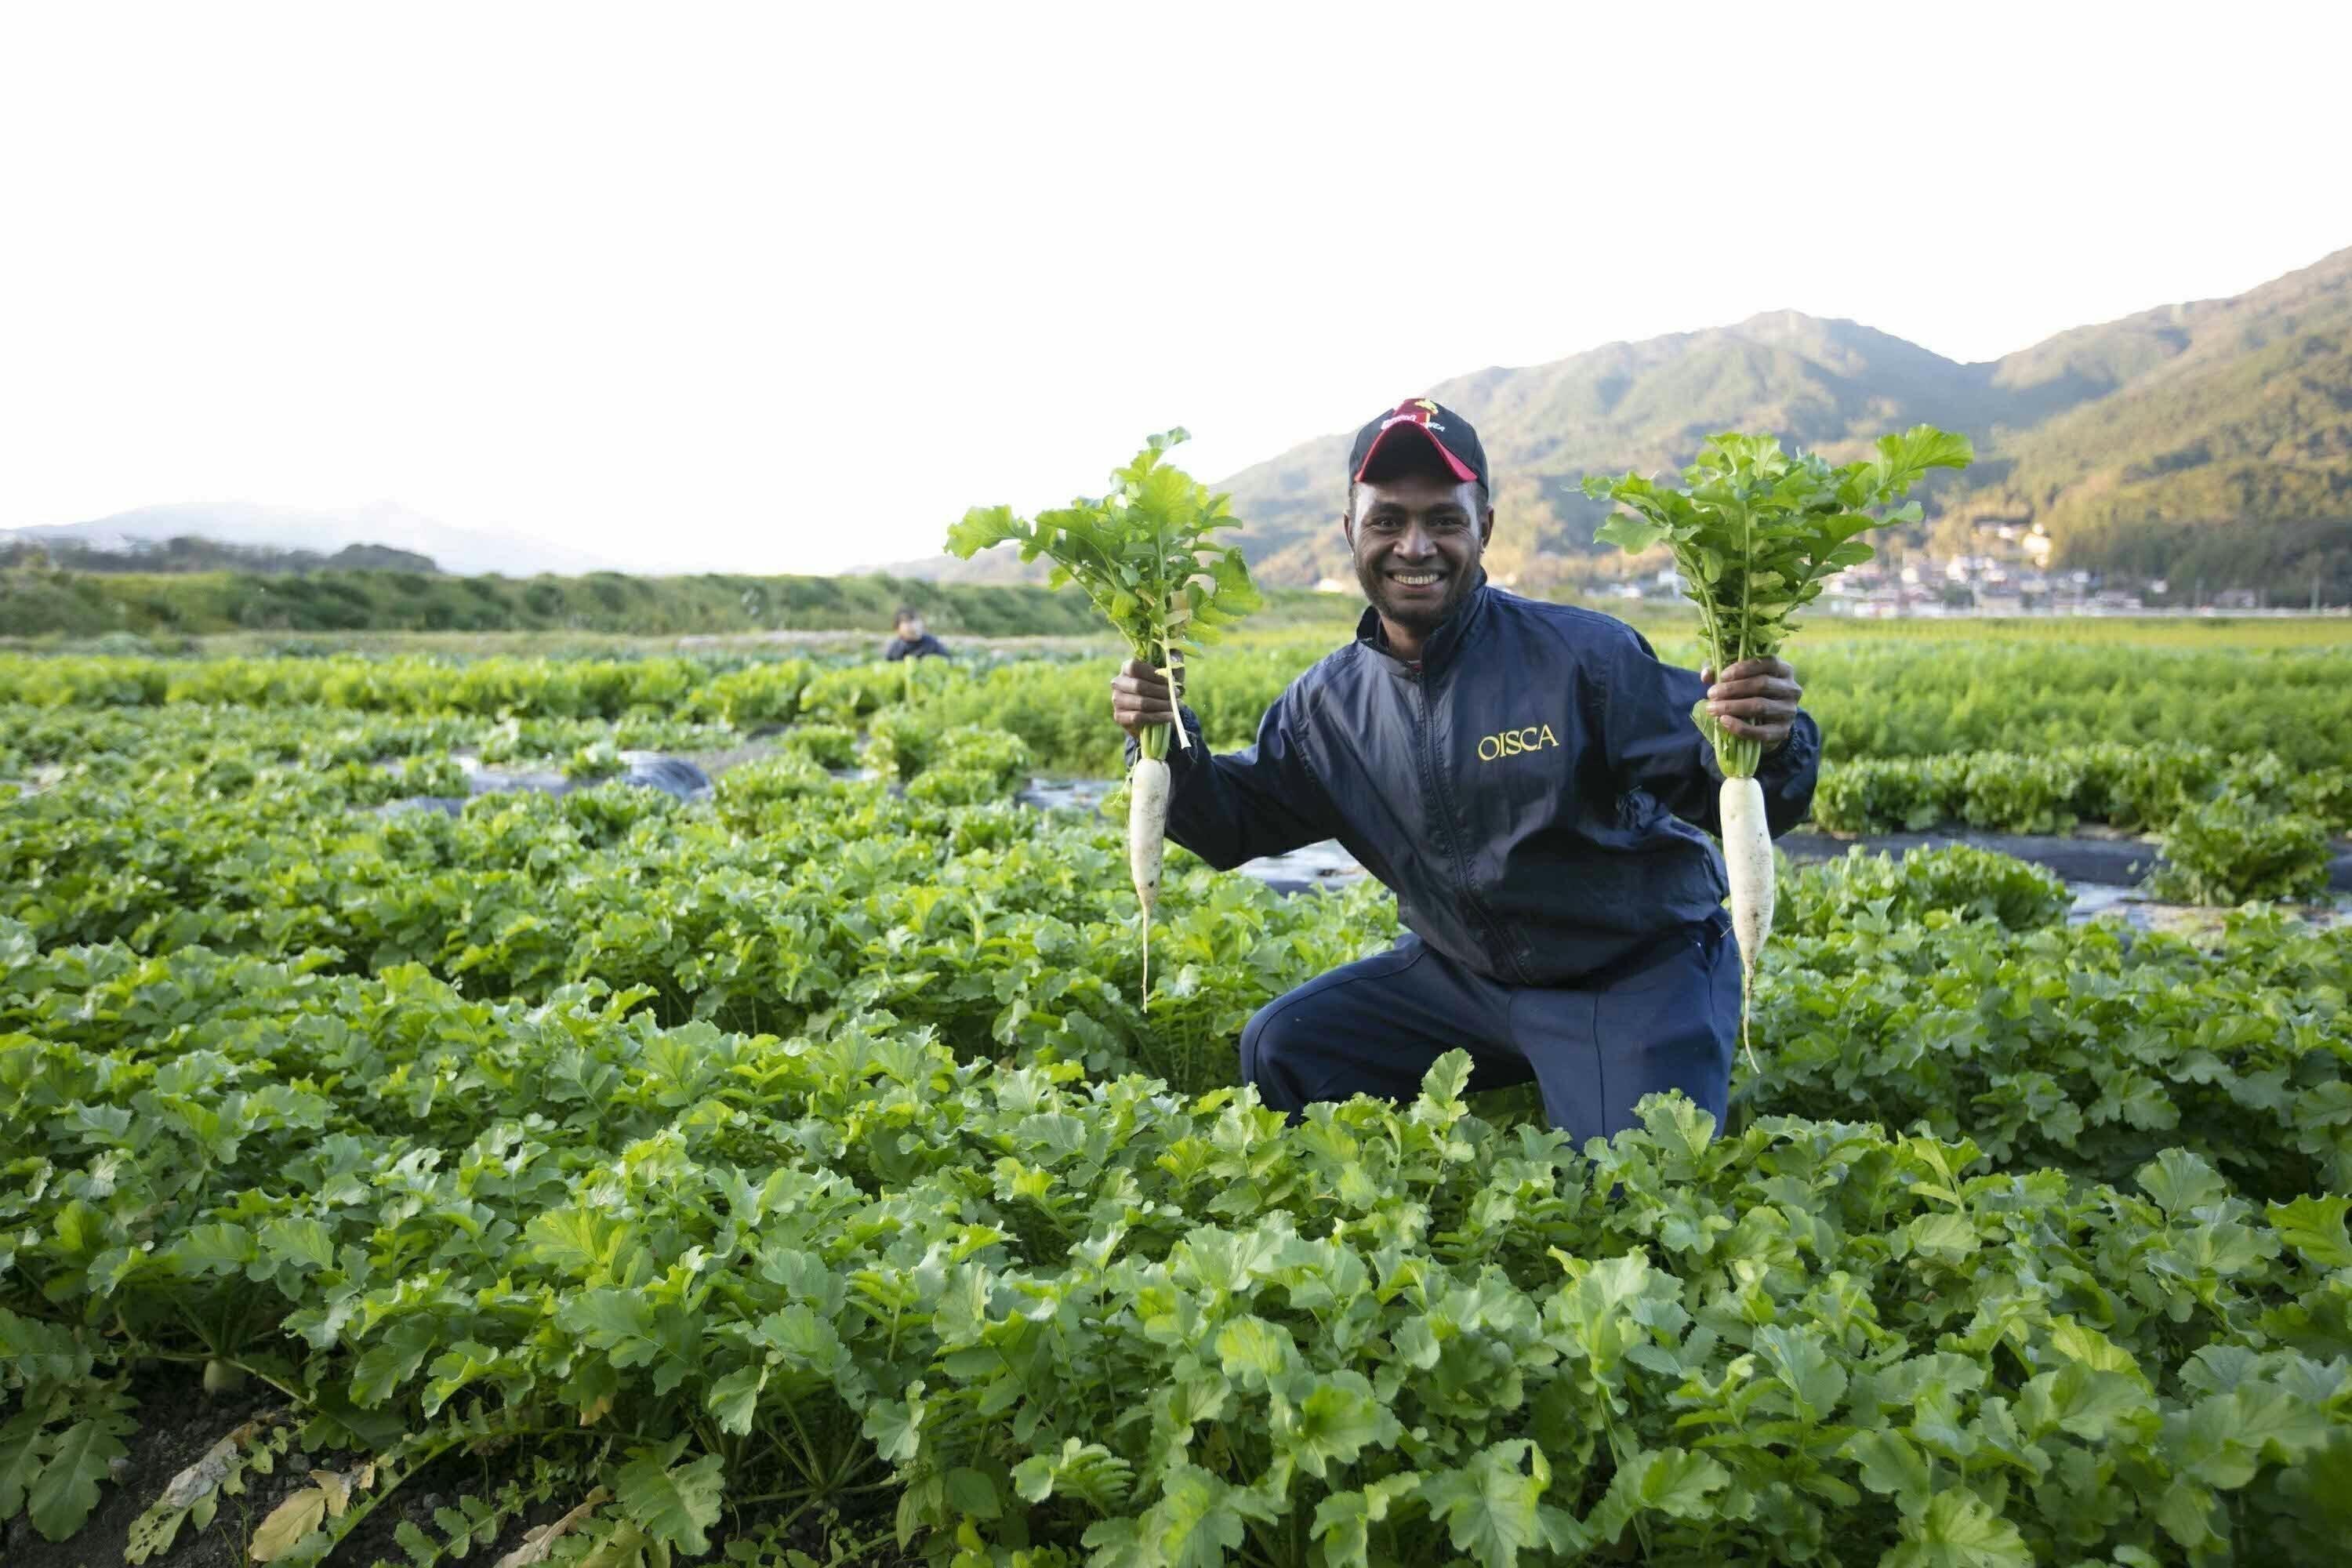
[(1444, 645)]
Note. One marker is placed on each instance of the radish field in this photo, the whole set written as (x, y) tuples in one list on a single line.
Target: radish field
[(789, 1176)]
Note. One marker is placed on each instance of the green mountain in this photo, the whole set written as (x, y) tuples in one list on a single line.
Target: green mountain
[(193, 553), (464, 550), (1830, 384), (2211, 440), (2224, 454)]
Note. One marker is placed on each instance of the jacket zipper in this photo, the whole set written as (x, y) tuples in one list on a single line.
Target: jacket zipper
[(1441, 799)]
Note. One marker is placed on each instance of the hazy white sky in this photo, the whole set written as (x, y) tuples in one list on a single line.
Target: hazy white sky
[(786, 287)]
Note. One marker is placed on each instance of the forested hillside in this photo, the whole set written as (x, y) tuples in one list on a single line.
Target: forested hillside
[(2225, 456), (2211, 438)]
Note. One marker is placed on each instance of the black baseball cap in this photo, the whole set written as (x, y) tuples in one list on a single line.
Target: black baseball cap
[(1445, 430)]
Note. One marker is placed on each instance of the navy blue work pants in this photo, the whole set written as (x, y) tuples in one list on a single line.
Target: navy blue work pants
[(1669, 1018)]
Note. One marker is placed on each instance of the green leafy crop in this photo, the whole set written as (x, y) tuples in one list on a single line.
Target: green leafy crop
[(1146, 554), (2231, 849), (1758, 530), (767, 1175)]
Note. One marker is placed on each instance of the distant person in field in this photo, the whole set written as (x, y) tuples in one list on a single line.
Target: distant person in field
[(912, 641), (1526, 778)]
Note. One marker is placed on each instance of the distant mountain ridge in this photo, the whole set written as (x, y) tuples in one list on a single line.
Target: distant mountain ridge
[(2208, 440), (1647, 405), (2132, 442), (466, 550), (2211, 439), (188, 552), (2224, 454)]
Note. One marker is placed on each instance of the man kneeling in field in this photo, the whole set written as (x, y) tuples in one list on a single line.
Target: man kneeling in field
[(1526, 777)]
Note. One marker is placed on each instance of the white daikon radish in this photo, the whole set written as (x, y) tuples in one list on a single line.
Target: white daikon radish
[(1755, 535), (1146, 841), (1748, 862)]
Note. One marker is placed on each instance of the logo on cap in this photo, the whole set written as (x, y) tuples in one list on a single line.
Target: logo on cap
[(1418, 411)]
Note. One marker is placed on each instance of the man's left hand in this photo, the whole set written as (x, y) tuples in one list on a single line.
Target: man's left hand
[(1754, 699)]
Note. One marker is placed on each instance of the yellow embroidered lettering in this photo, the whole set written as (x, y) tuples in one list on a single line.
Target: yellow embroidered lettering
[(1514, 742)]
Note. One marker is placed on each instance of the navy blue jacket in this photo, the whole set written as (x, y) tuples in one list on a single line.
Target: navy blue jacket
[(1533, 791), (924, 646)]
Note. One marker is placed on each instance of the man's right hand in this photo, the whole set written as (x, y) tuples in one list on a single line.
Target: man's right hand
[(1139, 696)]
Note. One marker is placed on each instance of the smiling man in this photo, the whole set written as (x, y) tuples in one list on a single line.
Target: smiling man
[(1526, 779)]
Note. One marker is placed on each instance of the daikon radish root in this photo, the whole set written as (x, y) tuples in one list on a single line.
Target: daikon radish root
[(1146, 841), (1756, 534), (1748, 862), (1148, 555)]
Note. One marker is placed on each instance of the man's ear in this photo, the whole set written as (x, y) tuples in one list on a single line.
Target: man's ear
[(1487, 528), (1348, 529)]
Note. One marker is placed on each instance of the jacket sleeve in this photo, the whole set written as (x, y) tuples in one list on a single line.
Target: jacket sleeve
[(1652, 744), (1261, 800)]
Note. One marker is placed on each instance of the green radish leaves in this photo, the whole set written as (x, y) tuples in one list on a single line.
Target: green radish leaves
[(1146, 553), (1757, 530), (1904, 458)]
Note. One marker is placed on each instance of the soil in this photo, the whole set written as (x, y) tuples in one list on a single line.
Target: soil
[(179, 1422)]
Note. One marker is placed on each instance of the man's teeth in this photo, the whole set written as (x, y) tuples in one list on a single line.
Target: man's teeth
[(1416, 579)]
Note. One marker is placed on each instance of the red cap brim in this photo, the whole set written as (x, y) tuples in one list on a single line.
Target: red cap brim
[(1462, 470)]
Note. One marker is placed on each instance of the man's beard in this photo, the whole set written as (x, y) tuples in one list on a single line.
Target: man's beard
[(1418, 620)]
